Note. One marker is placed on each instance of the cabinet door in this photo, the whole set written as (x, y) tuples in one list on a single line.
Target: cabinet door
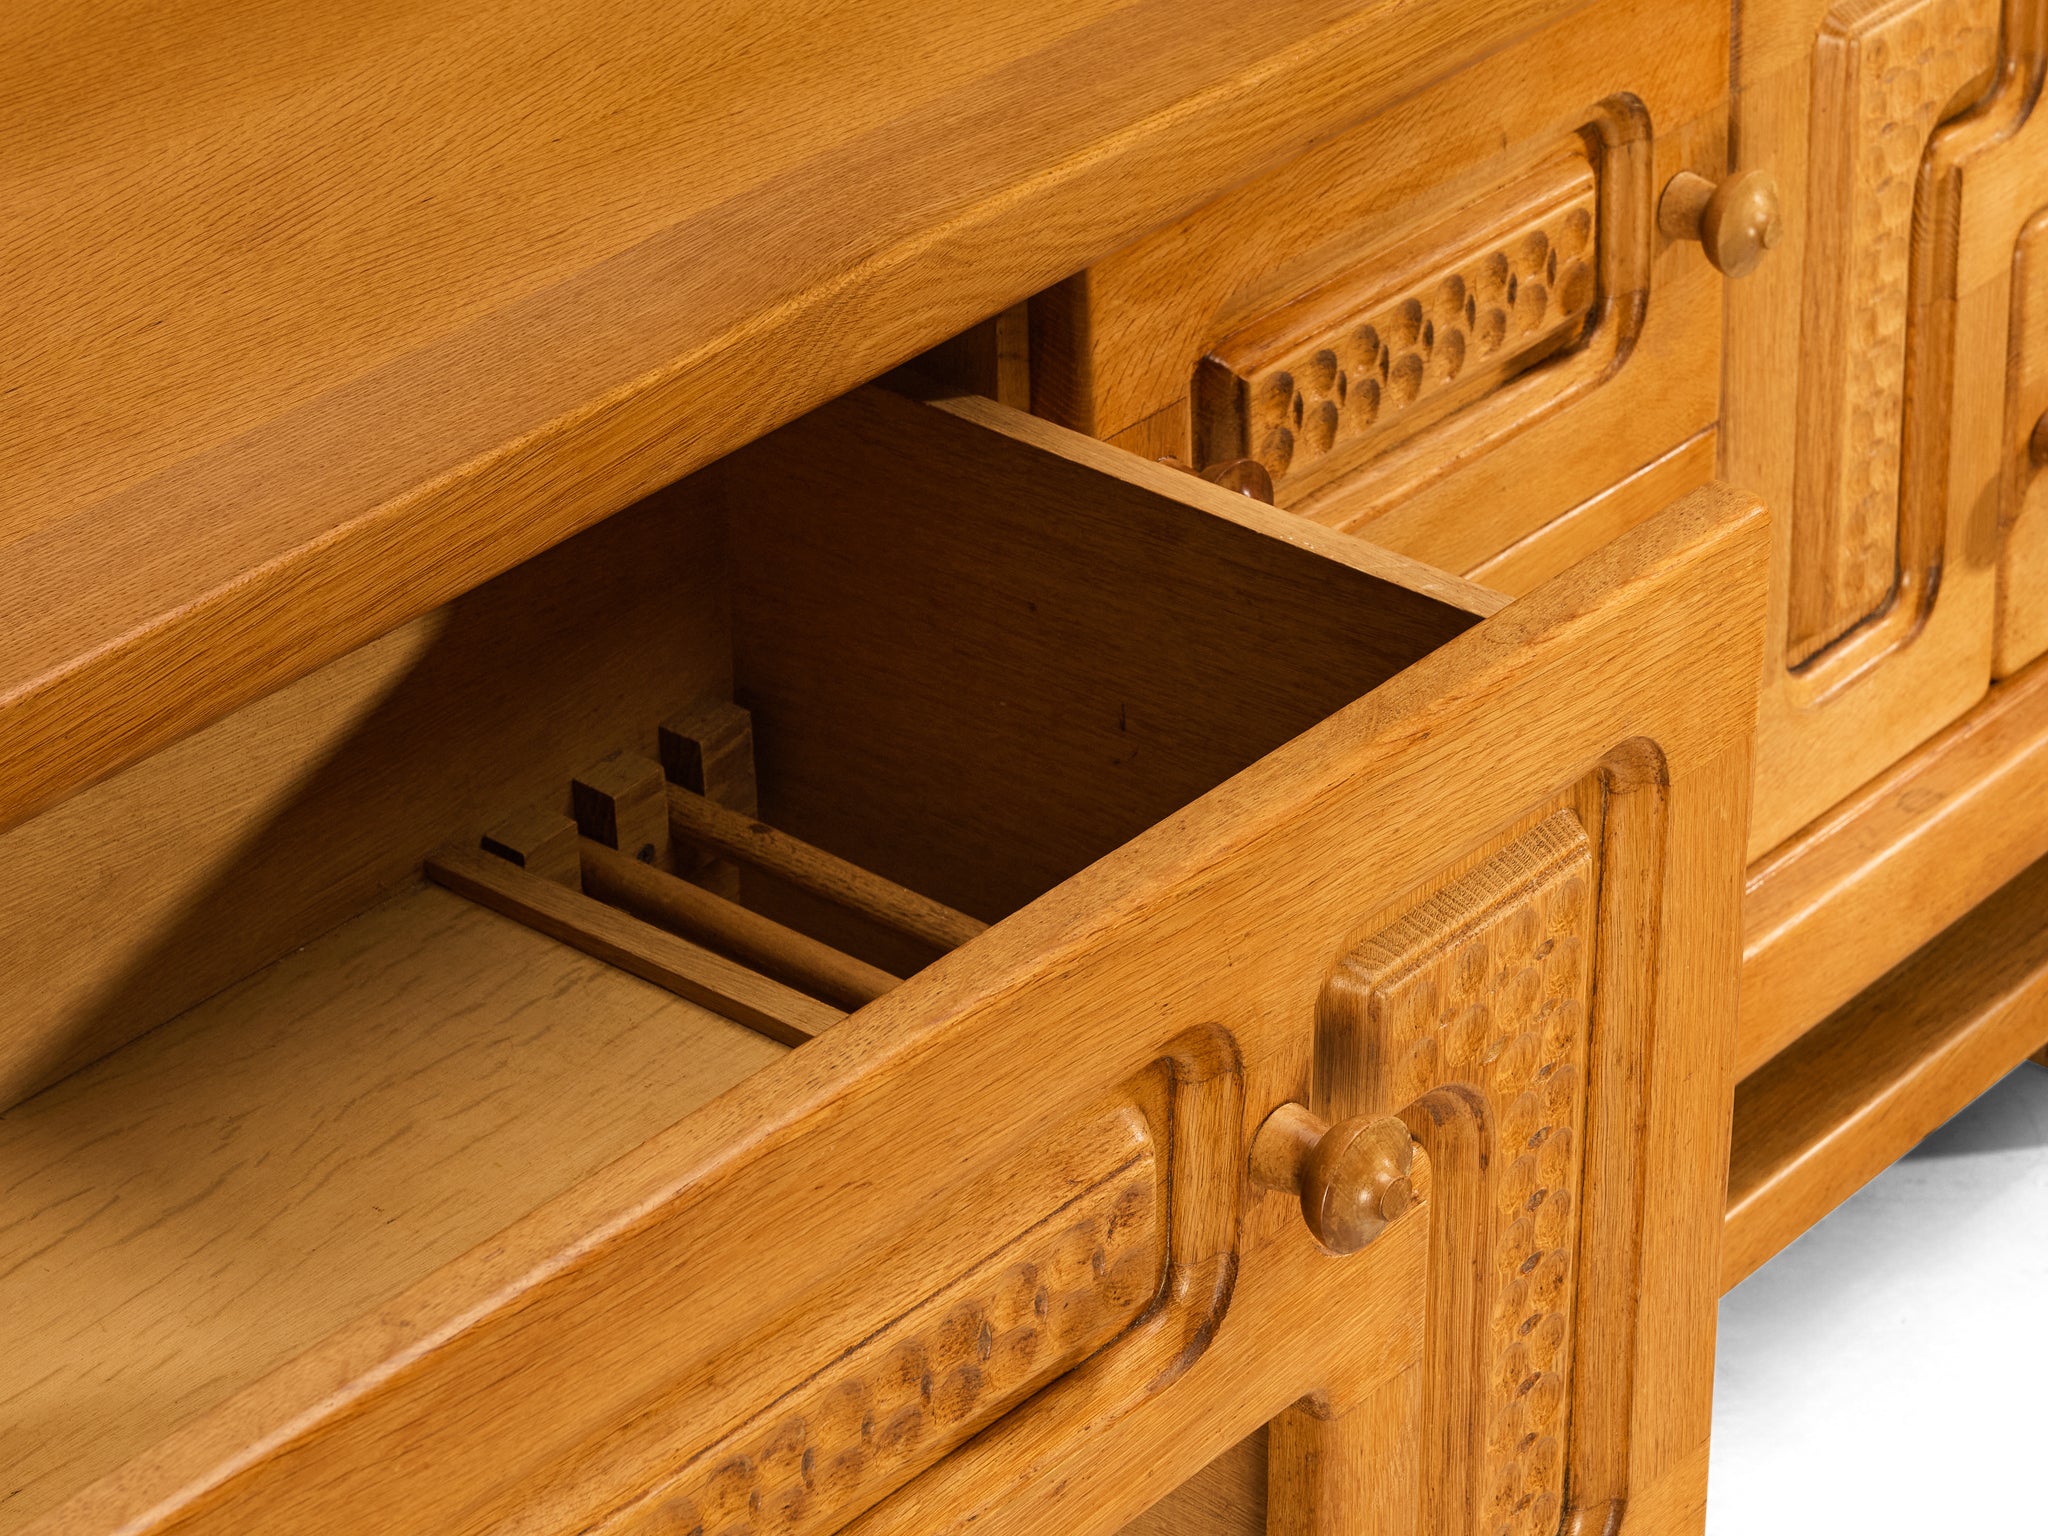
[(1867, 396), (2023, 553), (988, 1252)]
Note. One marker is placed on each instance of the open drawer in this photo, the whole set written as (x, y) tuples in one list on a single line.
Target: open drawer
[(353, 1202)]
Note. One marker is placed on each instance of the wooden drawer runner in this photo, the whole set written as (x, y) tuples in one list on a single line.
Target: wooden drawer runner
[(881, 889)]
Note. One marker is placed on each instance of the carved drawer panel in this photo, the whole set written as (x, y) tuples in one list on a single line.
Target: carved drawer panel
[(921, 1384), (1455, 327), (2023, 566), (1416, 332), (1884, 77)]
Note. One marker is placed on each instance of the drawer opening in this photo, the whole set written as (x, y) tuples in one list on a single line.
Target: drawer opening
[(271, 1078)]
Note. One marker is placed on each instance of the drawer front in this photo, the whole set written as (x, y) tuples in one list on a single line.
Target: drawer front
[(1911, 130), (989, 1250), (1426, 330), (1449, 328)]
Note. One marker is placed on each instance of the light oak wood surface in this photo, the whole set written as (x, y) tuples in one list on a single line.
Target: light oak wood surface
[(1884, 872), (1147, 634), (776, 950), (156, 889), (1854, 1095), (1884, 77), (813, 869), (193, 1212), (1918, 364), (1388, 212), (1553, 548), (2023, 558), (639, 948), (324, 317), (1226, 1498), (548, 1379), (443, 1224)]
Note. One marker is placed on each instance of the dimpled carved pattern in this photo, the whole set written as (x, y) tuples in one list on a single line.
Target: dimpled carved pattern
[(895, 1404), (1883, 76), (1395, 340), (1484, 989)]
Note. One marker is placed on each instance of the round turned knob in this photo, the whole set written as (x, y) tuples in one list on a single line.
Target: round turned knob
[(1735, 221), (1247, 477), (1352, 1178)]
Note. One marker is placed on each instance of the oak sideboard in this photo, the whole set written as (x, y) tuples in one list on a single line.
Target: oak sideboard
[(1110, 766)]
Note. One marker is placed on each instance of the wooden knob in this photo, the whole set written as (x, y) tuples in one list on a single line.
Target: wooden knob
[(1352, 1178), (1735, 221), (1247, 477)]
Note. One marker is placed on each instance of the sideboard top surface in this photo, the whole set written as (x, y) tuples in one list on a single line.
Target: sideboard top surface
[(319, 315)]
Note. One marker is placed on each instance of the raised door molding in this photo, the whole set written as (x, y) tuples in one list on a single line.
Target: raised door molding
[(1470, 1015), (1884, 75)]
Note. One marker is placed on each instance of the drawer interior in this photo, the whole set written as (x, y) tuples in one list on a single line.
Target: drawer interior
[(265, 1076)]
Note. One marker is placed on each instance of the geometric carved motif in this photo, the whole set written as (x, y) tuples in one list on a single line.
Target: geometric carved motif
[(1469, 1016), (1406, 335), (1885, 73), (872, 1419)]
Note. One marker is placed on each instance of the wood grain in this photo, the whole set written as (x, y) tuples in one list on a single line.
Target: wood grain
[(1638, 92), (194, 1211), (1146, 634), (1470, 1017), (813, 869), (1569, 538), (541, 1381), (621, 803), (1226, 1498), (1893, 865), (1885, 74), (158, 888), (760, 943), (1408, 335), (2023, 554), (1330, 1471), (1882, 687), (653, 954), (1850, 1098), (328, 321), (883, 1412)]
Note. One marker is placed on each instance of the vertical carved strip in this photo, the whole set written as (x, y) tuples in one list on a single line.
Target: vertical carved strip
[(1469, 1016), (1885, 74)]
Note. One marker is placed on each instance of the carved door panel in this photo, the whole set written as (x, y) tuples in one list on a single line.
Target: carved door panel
[(1900, 131), (2023, 554), (1503, 1011)]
